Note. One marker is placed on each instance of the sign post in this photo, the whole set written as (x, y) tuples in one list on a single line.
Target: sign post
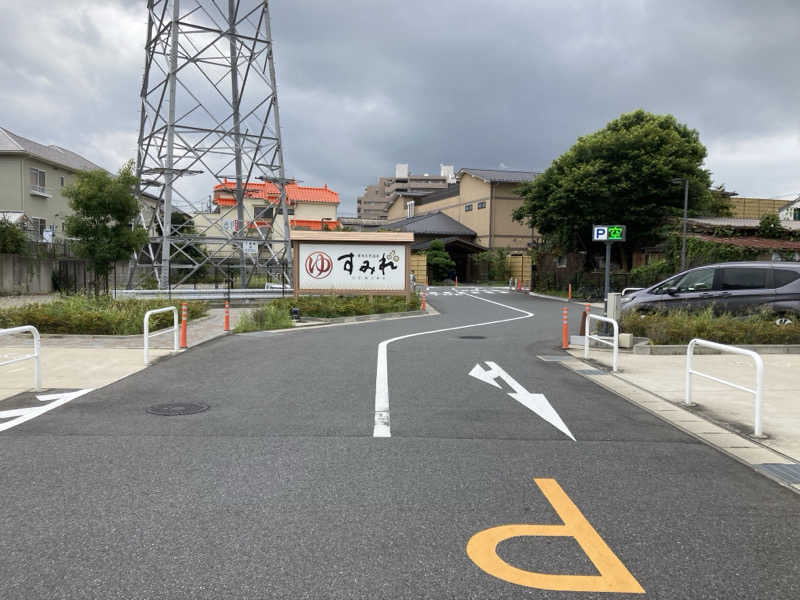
[(608, 234)]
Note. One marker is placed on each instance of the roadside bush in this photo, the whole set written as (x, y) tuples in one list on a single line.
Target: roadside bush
[(679, 327), (648, 275), (269, 316), (12, 238), (275, 315), (94, 315)]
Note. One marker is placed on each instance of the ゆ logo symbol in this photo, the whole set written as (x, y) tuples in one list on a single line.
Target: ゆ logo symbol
[(319, 265)]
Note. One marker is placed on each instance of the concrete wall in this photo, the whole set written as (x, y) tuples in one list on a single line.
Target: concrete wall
[(24, 275)]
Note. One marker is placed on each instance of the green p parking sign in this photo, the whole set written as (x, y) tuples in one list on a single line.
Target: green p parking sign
[(608, 233)]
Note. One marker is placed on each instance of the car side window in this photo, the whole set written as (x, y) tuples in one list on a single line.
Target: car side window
[(696, 281), (742, 278), (784, 277)]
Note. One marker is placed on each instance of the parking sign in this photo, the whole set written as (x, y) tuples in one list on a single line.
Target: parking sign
[(608, 233)]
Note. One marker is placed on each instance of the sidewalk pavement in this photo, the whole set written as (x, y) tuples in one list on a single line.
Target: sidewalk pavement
[(664, 377), (92, 361)]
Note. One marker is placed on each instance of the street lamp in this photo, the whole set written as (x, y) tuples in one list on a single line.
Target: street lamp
[(685, 182)]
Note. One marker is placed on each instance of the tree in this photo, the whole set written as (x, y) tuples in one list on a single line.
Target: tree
[(770, 227), (12, 238), (105, 209), (623, 175), (439, 261)]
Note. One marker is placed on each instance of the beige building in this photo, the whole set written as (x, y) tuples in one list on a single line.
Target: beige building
[(32, 177), (483, 200), (309, 208), (377, 199)]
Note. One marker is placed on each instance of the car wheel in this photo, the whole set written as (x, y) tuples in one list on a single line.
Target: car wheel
[(783, 321)]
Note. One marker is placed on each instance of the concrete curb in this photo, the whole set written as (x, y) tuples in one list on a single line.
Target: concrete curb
[(741, 448), (562, 299), (645, 348), (363, 318)]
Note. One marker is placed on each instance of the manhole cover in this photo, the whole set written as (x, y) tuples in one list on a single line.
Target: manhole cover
[(174, 409), (472, 337)]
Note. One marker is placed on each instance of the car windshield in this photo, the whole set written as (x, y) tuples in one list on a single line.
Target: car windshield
[(693, 281)]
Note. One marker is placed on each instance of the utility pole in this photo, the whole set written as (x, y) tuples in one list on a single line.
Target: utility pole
[(685, 215)]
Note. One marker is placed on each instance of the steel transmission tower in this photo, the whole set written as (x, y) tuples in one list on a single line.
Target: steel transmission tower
[(209, 115)]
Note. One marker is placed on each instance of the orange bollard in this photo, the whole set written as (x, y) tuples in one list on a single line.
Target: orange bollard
[(227, 326), (422, 306), (456, 281), (569, 291), (519, 285), (564, 325), (184, 313)]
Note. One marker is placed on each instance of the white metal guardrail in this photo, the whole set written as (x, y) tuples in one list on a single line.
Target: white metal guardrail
[(759, 391), (148, 335), (37, 378), (614, 343), (631, 289)]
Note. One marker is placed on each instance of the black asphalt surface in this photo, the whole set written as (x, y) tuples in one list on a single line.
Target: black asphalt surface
[(279, 490)]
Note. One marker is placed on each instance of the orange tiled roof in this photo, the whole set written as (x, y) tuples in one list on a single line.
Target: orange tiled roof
[(313, 224), (268, 191)]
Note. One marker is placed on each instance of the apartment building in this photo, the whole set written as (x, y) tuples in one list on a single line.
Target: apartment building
[(312, 208), (32, 177), (376, 200), (482, 200)]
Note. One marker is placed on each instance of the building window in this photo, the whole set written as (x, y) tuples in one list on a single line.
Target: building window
[(467, 207), (796, 214), (262, 212), (481, 204), (38, 181), (561, 262), (62, 181)]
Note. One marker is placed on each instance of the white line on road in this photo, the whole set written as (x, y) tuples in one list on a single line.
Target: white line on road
[(382, 427), (31, 412)]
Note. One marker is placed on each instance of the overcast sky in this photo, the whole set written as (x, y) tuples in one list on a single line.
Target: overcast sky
[(365, 84)]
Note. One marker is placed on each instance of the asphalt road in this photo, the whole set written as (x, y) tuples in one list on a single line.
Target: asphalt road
[(280, 490)]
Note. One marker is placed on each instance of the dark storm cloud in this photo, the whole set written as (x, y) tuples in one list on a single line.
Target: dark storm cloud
[(366, 84)]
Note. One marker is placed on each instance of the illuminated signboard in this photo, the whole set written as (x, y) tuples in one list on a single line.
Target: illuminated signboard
[(608, 233)]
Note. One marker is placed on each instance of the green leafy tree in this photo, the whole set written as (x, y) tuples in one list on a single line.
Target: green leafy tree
[(770, 227), (621, 174), (104, 208), (12, 238), (439, 261)]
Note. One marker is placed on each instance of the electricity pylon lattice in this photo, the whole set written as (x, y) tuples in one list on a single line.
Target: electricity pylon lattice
[(209, 116)]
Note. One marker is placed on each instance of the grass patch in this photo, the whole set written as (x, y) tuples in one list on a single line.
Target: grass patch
[(275, 315), (90, 315), (679, 327)]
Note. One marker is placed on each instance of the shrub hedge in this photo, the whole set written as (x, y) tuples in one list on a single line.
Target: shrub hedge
[(679, 327), (275, 315), (94, 315)]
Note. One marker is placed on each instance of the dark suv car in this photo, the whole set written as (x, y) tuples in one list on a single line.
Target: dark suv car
[(735, 287)]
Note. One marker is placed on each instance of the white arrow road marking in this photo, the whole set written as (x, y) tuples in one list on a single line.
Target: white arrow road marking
[(535, 402), (382, 428), (31, 412)]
